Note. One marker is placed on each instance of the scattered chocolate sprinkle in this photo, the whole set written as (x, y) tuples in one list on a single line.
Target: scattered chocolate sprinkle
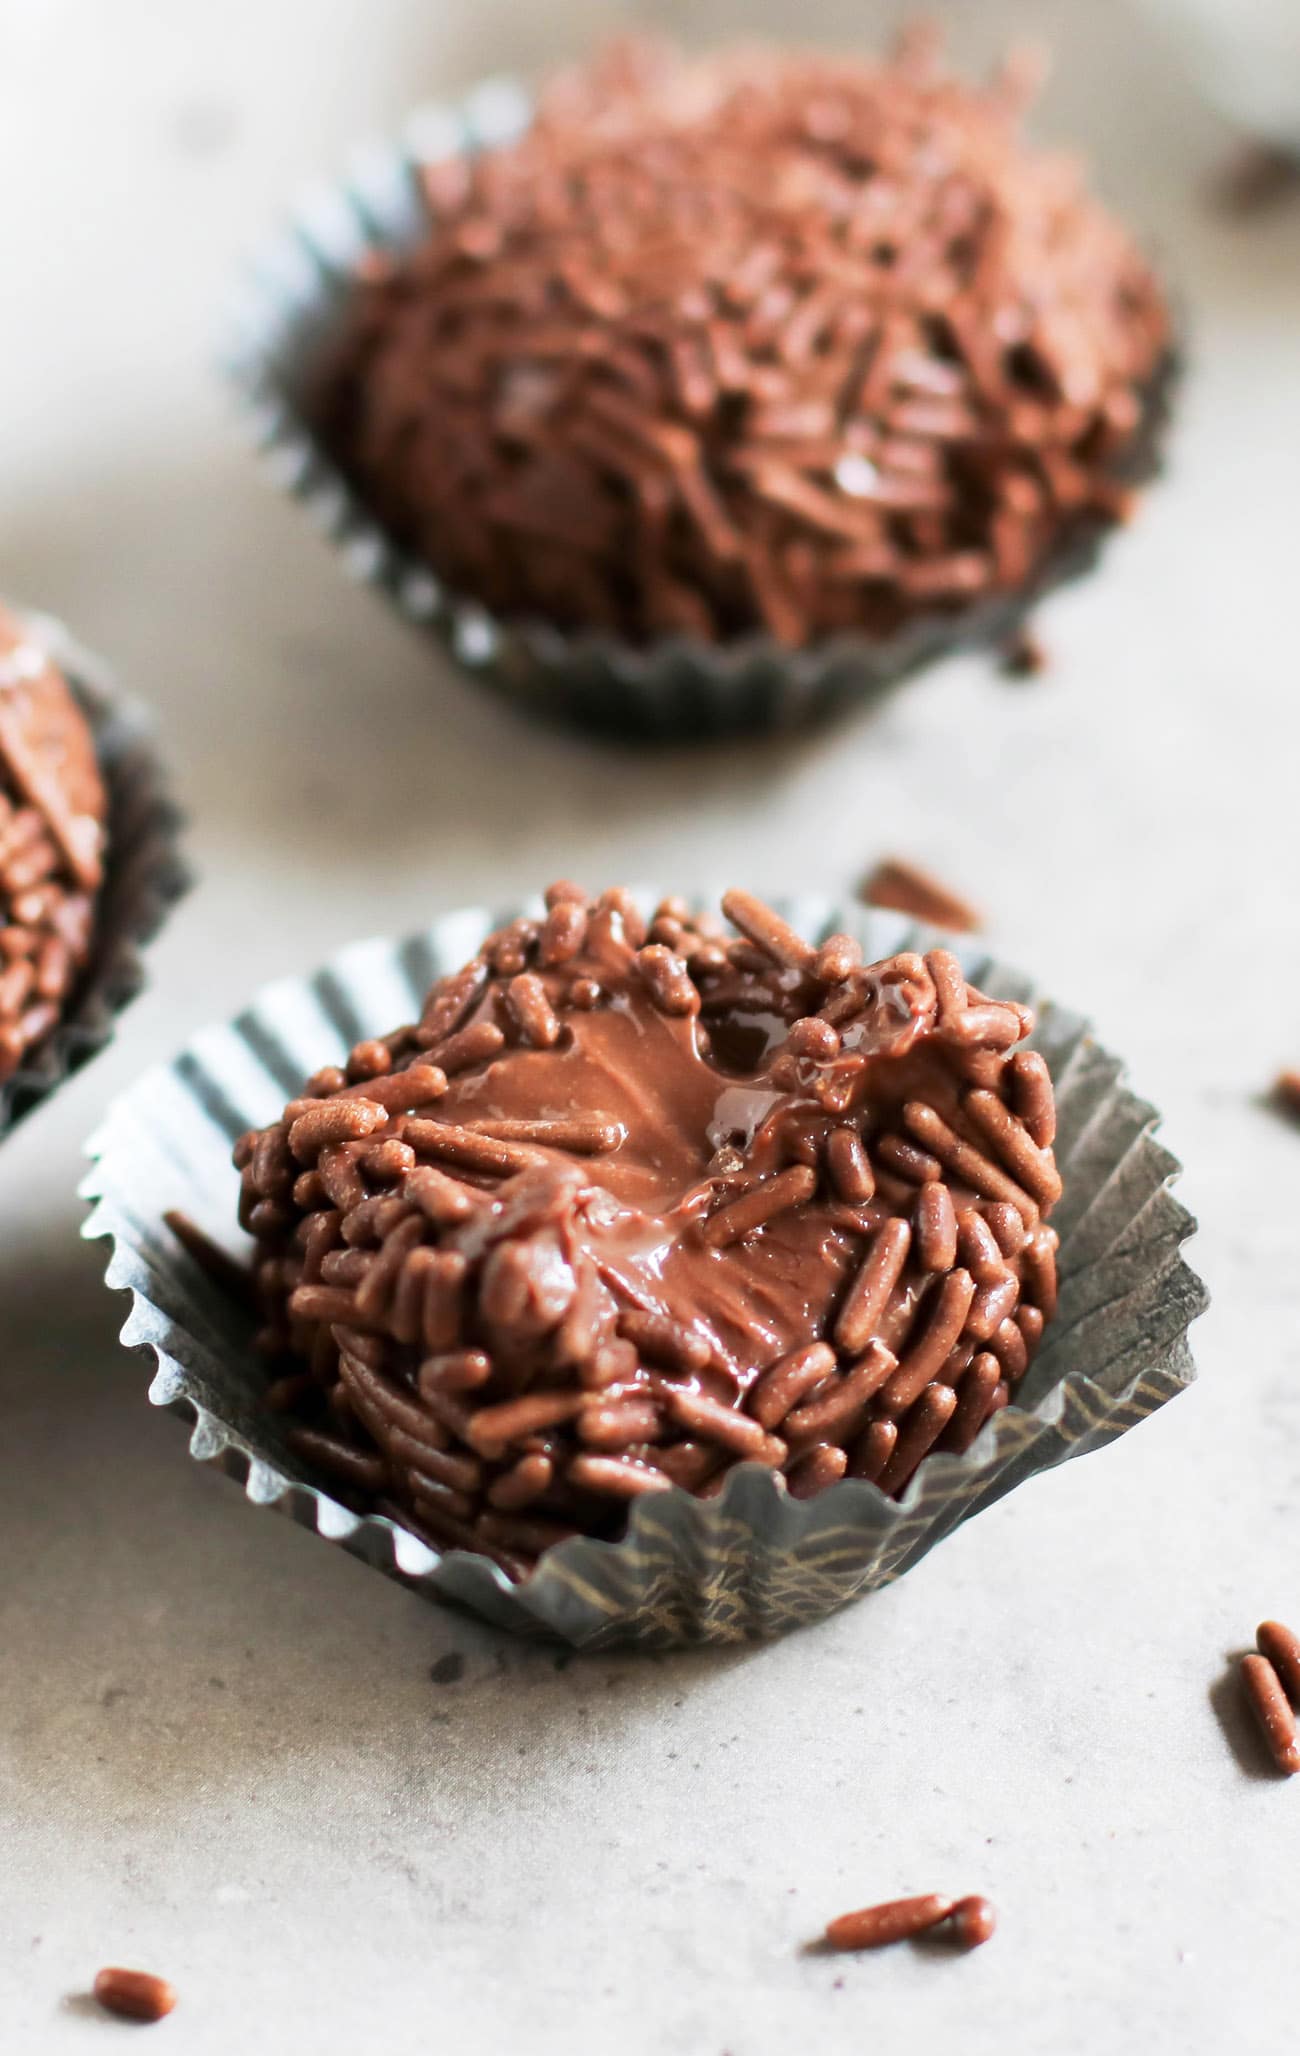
[(969, 1922), (1281, 1645), (895, 1920), (906, 889), (1286, 1093), (1272, 1710), (1025, 656), (1255, 179), (758, 342), (663, 1223), (52, 833), (134, 1994), (973, 1922)]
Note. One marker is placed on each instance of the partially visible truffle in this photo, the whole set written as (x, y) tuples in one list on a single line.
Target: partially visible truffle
[(761, 341), (52, 839), (634, 1203)]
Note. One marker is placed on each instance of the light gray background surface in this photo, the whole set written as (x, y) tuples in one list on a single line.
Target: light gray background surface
[(221, 1752)]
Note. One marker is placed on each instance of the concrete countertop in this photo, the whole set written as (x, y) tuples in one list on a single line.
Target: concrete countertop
[(222, 1752)]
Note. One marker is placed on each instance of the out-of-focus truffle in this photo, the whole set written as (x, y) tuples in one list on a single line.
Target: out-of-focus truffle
[(759, 342), (52, 838)]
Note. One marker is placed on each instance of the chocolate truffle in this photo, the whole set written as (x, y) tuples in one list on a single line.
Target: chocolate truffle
[(632, 1204), (52, 834), (760, 342)]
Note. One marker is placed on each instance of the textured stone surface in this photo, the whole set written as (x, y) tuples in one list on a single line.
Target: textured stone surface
[(222, 1754)]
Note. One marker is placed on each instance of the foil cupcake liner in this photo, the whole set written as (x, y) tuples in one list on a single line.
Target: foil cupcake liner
[(752, 1562), (144, 871), (295, 295)]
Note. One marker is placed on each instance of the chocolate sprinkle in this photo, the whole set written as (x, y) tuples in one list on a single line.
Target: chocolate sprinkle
[(760, 342), (1286, 1093), (134, 1994), (505, 1342), (52, 833), (968, 1923), (1025, 656), (907, 889)]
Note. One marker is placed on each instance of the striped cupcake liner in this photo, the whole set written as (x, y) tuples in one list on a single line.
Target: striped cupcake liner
[(145, 873), (753, 1561), (294, 298)]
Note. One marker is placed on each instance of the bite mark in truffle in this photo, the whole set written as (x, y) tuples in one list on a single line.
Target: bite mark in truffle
[(634, 1244)]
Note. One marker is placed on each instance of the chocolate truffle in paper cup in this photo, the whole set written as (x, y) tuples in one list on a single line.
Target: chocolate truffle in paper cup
[(727, 389), (654, 1282), (88, 860)]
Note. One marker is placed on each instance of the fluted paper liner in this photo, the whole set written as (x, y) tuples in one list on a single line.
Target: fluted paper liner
[(753, 1561), (293, 301), (144, 872)]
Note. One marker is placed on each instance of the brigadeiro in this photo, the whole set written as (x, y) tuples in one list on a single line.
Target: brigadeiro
[(763, 343), (634, 1203), (53, 835)]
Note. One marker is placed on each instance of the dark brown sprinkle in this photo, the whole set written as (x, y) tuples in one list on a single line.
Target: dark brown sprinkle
[(327, 1122), (1024, 656), (467, 1148), (583, 1135), (458, 1370), (456, 1342), (1286, 1093), (469, 1048), (921, 1428), (768, 932), (369, 1060), (1269, 1704), (134, 1994), (620, 1476), (1281, 1645), (664, 1340), (341, 1459), (936, 1229), (837, 958), (416, 1085), (1033, 1168), (837, 1413), (906, 889), (968, 1922), (563, 933), (850, 1166), (965, 1161), (894, 1920), (973, 1922), (870, 1454), (754, 1208), (667, 980), (1256, 178), (977, 1402), (822, 1465), (784, 1384), (871, 1289), (527, 1001)]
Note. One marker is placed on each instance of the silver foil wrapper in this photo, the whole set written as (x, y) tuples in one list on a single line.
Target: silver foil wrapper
[(144, 871), (752, 1562), (293, 303)]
